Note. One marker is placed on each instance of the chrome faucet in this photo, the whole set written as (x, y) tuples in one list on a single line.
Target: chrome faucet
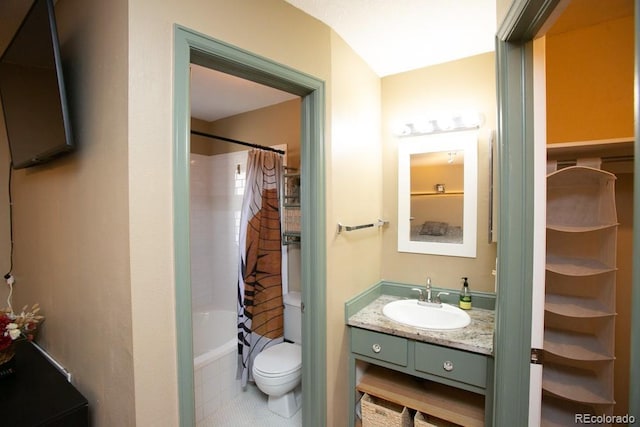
[(425, 298), (424, 295)]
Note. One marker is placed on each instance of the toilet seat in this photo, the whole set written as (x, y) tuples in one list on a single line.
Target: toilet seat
[(278, 361)]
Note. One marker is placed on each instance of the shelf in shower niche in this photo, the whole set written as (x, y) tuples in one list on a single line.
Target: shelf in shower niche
[(291, 238)]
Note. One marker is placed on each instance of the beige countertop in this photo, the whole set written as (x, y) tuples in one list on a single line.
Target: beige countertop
[(477, 337)]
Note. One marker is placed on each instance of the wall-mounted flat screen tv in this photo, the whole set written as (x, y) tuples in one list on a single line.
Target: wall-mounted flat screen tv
[(32, 90)]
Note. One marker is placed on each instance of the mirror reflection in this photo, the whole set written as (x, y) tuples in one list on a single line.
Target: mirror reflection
[(437, 194)]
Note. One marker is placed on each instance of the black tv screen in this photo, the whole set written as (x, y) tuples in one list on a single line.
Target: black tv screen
[(32, 90)]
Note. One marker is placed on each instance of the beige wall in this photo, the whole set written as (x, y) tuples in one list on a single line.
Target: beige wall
[(354, 182), (71, 218), (502, 7), (464, 84)]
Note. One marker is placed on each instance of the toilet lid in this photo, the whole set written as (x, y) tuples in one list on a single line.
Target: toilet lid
[(280, 359)]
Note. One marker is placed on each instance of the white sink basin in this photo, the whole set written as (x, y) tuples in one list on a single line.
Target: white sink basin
[(409, 312)]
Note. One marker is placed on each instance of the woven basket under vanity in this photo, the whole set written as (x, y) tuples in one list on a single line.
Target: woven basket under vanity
[(380, 413), (424, 420)]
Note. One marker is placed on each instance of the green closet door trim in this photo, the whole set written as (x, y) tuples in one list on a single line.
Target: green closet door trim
[(514, 51), (192, 47), (182, 255), (515, 244)]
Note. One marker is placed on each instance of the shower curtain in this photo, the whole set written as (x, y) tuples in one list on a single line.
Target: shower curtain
[(260, 305)]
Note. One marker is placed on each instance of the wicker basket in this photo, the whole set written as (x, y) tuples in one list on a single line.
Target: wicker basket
[(380, 413), (424, 420)]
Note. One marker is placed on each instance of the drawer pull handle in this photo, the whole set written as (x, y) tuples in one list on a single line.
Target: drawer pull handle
[(448, 366), (376, 348)]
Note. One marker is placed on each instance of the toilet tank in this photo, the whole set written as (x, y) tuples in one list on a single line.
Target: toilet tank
[(292, 317)]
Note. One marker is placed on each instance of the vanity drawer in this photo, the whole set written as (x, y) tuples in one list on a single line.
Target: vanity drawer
[(458, 365), (387, 348)]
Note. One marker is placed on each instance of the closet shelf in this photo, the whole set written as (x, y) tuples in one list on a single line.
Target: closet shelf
[(436, 193), (557, 412), (569, 266), (459, 407), (289, 238), (577, 385), (577, 196), (576, 306), (564, 228), (575, 346), (291, 212)]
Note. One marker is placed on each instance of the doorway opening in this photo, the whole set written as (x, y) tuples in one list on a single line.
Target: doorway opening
[(193, 48)]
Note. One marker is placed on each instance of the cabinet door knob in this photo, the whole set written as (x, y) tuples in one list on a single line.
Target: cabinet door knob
[(376, 348), (448, 366)]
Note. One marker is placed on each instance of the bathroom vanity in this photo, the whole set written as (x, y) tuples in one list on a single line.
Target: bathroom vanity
[(444, 374)]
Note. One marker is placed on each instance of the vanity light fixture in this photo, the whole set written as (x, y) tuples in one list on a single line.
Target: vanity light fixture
[(451, 156), (442, 123)]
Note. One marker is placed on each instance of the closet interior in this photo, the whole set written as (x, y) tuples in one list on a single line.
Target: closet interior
[(589, 87)]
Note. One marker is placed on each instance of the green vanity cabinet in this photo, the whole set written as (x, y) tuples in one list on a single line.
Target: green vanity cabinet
[(445, 374), (458, 378), (455, 365), (384, 347)]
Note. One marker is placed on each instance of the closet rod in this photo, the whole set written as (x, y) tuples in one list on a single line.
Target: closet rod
[(609, 159), (235, 141)]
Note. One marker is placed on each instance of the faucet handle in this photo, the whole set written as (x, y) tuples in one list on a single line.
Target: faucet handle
[(421, 292), (438, 296)]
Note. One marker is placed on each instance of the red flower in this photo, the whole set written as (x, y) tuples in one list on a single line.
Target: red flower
[(4, 321), (5, 341)]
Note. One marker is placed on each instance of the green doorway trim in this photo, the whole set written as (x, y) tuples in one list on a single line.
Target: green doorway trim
[(192, 47)]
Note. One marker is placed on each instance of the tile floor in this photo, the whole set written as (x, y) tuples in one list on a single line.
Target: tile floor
[(249, 409)]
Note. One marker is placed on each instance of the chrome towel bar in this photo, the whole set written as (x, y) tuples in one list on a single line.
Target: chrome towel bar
[(378, 223)]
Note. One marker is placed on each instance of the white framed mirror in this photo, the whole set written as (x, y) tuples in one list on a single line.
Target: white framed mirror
[(438, 194)]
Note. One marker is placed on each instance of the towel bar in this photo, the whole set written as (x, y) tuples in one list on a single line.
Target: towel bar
[(378, 223)]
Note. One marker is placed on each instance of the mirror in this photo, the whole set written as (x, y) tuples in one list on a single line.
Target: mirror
[(437, 194)]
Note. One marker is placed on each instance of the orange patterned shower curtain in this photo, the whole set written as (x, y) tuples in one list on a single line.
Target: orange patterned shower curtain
[(260, 305)]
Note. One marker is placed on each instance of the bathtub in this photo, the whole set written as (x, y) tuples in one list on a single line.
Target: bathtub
[(214, 335), (215, 348)]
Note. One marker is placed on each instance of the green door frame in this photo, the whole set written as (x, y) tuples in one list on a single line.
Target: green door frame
[(514, 50), (192, 47)]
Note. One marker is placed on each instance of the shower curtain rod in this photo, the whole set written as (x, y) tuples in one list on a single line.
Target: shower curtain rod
[(235, 141)]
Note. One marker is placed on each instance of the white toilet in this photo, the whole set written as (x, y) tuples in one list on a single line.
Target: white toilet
[(277, 370)]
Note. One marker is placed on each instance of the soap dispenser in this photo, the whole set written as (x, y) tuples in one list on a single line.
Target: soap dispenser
[(465, 295)]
